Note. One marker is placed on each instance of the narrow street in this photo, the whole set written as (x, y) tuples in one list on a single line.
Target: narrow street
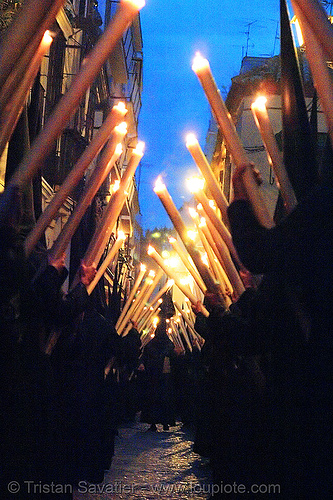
[(150, 465)]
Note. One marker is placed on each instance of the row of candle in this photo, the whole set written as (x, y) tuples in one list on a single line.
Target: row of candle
[(205, 278)]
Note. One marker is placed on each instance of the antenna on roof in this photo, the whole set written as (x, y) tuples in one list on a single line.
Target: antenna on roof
[(247, 32), (276, 38)]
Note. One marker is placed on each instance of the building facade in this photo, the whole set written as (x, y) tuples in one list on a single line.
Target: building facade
[(78, 26)]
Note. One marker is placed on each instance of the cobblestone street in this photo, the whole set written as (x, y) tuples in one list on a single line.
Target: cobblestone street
[(150, 465)]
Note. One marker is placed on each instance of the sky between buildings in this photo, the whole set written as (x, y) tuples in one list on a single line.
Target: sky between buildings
[(173, 102)]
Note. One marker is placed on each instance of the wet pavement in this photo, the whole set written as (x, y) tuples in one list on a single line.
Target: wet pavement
[(152, 465)]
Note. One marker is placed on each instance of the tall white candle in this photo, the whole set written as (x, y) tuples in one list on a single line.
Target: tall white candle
[(112, 211), (317, 18), (126, 12), (132, 294), (200, 159), (185, 289), (107, 261), (260, 113), (316, 56), (112, 120), (11, 112), (202, 69)]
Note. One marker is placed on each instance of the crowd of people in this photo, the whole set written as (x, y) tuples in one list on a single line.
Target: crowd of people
[(258, 392)]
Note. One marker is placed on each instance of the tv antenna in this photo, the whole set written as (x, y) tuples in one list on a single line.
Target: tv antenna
[(247, 33)]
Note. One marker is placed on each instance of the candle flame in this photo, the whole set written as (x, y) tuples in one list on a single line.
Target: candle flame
[(195, 184), (160, 301), (204, 259), (137, 4), (151, 273), (170, 283), (150, 250), (47, 37), (115, 186), (121, 235), (119, 149), (171, 240), (192, 234), (191, 140), (121, 107), (172, 262), (143, 268), (212, 204), (159, 185), (155, 321), (199, 63), (299, 33), (259, 103), (139, 148), (121, 128), (152, 335), (202, 222), (192, 213)]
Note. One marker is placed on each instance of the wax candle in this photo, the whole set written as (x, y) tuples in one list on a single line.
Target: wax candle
[(127, 10), (26, 30), (185, 259), (97, 178), (202, 69), (259, 111), (112, 120), (112, 211), (136, 302), (318, 62), (12, 110), (315, 15), (107, 261), (185, 289), (179, 225), (200, 159), (196, 187), (133, 291)]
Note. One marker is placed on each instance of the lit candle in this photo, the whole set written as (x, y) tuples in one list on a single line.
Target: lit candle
[(112, 211), (136, 302), (175, 217), (184, 333), (175, 335), (107, 261), (112, 120), (194, 148), (202, 69), (213, 262), (187, 321), (132, 294), (126, 12), (313, 12), (97, 178), (143, 300), (151, 312), (318, 64), (196, 187), (25, 31), (157, 299), (226, 261), (12, 110), (185, 289), (259, 111), (185, 259)]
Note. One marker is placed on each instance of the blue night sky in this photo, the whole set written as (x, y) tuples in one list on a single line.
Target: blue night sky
[(173, 102)]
